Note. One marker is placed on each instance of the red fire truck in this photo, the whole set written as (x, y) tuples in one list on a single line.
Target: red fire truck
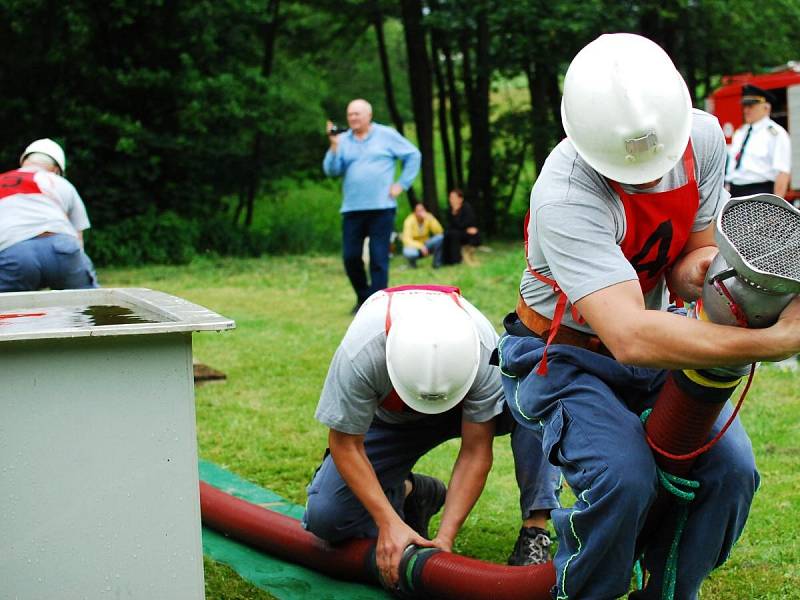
[(784, 83)]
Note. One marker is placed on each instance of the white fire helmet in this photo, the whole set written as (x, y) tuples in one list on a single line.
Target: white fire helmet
[(50, 148), (626, 108), (432, 350)]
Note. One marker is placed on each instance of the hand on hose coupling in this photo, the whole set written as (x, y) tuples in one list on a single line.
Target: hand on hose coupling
[(393, 539)]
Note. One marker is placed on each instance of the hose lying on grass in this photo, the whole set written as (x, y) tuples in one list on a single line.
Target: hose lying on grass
[(424, 572)]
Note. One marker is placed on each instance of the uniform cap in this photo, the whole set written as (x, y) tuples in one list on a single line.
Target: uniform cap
[(752, 94)]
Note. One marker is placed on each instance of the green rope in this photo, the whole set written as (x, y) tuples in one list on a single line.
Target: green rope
[(637, 571), (684, 492)]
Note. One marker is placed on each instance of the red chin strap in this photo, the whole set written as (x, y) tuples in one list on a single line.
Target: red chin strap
[(450, 290)]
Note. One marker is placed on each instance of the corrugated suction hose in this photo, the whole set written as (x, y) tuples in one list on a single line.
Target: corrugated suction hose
[(425, 573)]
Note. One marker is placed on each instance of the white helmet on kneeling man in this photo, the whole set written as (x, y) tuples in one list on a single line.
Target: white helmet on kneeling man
[(432, 350)]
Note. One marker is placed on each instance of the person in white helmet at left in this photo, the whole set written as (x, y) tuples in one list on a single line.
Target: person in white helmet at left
[(412, 372), (42, 220)]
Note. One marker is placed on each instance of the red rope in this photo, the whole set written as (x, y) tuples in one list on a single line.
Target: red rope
[(722, 431)]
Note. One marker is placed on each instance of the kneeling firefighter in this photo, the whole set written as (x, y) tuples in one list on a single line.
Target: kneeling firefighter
[(627, 205)]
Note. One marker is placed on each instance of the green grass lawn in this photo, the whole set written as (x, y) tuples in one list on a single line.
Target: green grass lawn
[(292, 311)]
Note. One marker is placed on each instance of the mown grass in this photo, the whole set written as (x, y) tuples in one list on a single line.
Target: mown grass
[(291, 312)]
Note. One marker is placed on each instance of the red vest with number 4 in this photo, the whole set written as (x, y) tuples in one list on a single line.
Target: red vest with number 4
[(392, 402), (657, 227), (18, 182)]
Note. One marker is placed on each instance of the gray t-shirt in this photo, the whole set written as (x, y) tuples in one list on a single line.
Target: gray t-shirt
[(578, 222), (55, 207), (358, 380)]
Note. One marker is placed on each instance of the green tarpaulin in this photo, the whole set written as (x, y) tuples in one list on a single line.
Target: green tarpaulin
[(283, 580)]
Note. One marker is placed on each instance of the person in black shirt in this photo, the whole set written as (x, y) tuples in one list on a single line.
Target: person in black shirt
[(462, 231)]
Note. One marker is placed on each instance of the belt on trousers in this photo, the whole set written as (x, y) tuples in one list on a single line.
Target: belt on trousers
[(540, 325), (45, 234)]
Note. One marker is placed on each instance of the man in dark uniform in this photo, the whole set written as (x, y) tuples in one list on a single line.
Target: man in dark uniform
[(760, 154)]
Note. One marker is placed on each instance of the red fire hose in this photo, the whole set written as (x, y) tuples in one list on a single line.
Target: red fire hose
[(679, 423), (426, 574)]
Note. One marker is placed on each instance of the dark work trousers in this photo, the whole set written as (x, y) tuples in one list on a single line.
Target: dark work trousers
[(335, 514), (587, 409), (453, 240), (762, 187), (356, 226)]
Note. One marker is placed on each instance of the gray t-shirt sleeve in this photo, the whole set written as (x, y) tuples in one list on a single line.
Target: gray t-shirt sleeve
[(708, 143), (77, 212), (581, 247), (352, 388), (484, 401)]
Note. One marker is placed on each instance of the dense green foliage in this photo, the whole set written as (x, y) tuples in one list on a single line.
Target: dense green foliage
[(158, 104), (199, 108), (300, 217)]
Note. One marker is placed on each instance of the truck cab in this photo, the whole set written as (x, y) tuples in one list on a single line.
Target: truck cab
[(784, 83)]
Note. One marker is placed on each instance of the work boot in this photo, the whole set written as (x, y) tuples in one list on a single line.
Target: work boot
[(532, 547), (425, 500), (468, 255)]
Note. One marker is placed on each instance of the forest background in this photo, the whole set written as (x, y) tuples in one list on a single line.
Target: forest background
[(198, 127)]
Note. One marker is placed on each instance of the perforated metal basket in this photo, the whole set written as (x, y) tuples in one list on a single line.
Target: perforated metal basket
[(759, 237)]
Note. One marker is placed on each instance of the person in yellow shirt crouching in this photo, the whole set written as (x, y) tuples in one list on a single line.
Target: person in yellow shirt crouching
[(422, 236)]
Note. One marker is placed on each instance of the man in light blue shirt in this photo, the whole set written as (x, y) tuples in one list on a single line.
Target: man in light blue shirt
[(365, 156)]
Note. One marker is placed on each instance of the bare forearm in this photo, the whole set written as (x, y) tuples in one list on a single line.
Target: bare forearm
[(351, 460), (654, 338), (665, 340), (781, 184), (466, 484)]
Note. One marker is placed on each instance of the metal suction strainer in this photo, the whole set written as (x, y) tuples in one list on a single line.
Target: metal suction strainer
[(759, 237)]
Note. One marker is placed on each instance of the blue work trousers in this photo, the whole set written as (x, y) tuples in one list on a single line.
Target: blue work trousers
[(587, 409), (55, 261), (434, 246), (333, 513), (357, 225)]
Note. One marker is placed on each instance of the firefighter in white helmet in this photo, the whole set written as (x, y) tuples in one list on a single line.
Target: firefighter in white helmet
[(42, 220), (623, 206), (412, 372)]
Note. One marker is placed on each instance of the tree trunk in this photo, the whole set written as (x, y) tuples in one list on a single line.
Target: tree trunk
[(442, 112), (689, 54), (515, 179), (269, 32), (421, 95), (455, 118), (553, 91), (476, 87), (545, 111), (482, 163), (376, 17)]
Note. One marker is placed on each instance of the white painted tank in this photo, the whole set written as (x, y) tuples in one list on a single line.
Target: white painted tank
[(98, 453)]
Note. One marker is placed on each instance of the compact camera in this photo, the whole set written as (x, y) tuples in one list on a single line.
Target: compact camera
[(336, 129)]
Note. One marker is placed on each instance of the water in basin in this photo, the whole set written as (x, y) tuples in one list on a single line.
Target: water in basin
[(71, 317)]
